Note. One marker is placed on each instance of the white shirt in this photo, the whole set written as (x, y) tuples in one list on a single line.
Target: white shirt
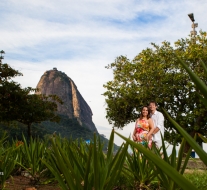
[(158, 120)]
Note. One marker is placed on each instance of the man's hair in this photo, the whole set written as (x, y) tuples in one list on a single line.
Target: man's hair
[(153, 102)]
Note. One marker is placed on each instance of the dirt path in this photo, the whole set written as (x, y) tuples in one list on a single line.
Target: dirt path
[(24, 183)]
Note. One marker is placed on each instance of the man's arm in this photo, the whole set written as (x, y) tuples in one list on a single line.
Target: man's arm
[(155, 130)]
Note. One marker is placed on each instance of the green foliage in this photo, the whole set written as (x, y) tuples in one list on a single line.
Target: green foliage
[(11, 94), (85, 166), (17, 104), (139, 170), (164, 168), (77, 165), (172, 167), (66, 128), (38, 108), (32, 153), (8, 160), (198, 178), (156, 74)]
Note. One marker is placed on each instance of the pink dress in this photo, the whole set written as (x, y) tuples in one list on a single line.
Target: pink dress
[(142, 129)]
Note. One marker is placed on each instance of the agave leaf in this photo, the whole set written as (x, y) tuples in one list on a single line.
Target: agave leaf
[(77, 162), (204, 66), (198, 82), (110, 147), (186, 161), (187, 157), (173, 157), (96, 164), (116, 168), (52, 167), (87, 171), (202, 99), (202, 137), (8, 159), (180, 154), (63, 167), (165, 167), (3, 138), (201, 153), (164, 151), (116, 157)]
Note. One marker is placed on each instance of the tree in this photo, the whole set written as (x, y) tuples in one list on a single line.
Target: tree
[(155, 74), (11, 93), (37, 108), (17, 104)]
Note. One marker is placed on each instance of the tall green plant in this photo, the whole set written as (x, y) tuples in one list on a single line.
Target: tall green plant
[(202, 87), (30, 157), (86, 166), (8, 159), (163, 167), (178, 162), (139, 170)]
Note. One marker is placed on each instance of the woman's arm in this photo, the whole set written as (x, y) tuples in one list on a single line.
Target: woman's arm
[(134, 132)]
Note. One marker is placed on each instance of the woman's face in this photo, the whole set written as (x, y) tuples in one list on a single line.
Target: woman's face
[(145, 111)]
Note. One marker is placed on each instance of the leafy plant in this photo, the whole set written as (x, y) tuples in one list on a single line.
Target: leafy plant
[(198, 178), (178, 162), (86, 166), (8, 159), (31, 155), (162, 166), (156, 74), (139, 170)]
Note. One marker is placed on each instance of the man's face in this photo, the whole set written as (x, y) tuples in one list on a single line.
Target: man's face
[(152, 107)]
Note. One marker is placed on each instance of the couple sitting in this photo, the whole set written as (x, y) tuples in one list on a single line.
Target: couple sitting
[(149, 126)]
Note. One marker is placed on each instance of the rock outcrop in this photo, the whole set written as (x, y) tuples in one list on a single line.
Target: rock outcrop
[(74, 105)]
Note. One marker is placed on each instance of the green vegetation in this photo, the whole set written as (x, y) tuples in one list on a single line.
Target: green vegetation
[(66, 128), (156, 74), (198, 178), (78, 165), (172, 173), (17, 104)]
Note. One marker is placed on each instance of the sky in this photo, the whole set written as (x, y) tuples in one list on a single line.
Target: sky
[(81, 37)]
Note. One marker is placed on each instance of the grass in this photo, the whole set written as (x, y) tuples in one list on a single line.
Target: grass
[(198, 178)]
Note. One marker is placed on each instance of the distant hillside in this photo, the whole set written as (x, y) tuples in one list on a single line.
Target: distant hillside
[(67, 128)]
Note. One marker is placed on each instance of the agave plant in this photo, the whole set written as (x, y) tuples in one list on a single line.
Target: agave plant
[(178, 162), (8, 159), (162, 167), (86, 166), (139, 170), (30, 157)]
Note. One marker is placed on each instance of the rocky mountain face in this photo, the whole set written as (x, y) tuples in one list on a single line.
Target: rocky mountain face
[(74, 105)]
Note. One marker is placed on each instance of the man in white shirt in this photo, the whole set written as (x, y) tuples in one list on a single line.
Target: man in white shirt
[(158, 119)]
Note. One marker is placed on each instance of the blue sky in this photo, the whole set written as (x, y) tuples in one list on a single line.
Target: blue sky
[(81, 37)]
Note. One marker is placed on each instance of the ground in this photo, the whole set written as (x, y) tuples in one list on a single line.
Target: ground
[(24, 183)]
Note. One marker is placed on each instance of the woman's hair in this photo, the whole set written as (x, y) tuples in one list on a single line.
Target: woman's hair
[(148, 115)]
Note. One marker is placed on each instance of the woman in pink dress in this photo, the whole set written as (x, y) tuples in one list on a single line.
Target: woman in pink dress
[(144, 128)]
